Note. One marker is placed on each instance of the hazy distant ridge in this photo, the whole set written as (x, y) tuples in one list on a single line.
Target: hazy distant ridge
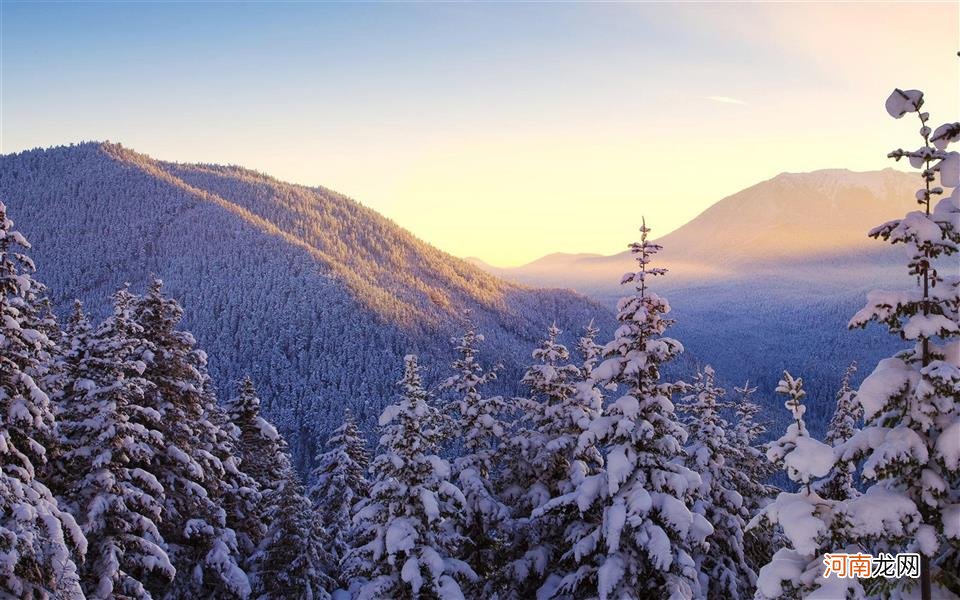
[(793, 219)]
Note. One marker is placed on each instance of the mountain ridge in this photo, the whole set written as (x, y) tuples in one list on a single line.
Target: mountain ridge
[(180, 173), (791, 218), (314, 295)]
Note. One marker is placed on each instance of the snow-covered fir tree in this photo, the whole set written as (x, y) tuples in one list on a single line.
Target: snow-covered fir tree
[(590, 351), (293, 562), (111, 439), (260, 445), (638, 531), (839, 484), (289, 558), (811, 526), (545, 462), (910, 442), (74, 342), (547, 432), (202, 546), (242, 500), (753, 471), (408, 537), (340, 481), (260, 449), (40, 543), (481, 435), (724, 569)]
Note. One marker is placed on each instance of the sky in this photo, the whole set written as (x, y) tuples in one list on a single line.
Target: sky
[(502, 131)]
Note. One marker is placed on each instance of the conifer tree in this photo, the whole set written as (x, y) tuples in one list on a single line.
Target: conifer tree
[(260, 443), (340, 481), (292, 560), (39, 542), (839, 484), (639, 532), (407, 534), (711, 453), (242, 497), (590, 351), (551, 424), (74, 344), (260, 449), (204, 549), (750, 452), (753, 471), (546, 462), (910, 442), (479, 429), (812, 526), (289, 559), (111, 439)]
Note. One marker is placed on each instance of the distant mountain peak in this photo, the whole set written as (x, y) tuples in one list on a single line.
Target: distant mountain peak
[(831, 181), (789, 218)]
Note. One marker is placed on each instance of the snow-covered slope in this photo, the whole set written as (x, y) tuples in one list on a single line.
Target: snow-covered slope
[(793, 221), (314, 295)]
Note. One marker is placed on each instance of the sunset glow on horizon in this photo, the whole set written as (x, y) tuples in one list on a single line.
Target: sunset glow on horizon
[(503, 132)]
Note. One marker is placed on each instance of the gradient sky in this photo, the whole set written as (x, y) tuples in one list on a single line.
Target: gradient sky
[(503, 131)]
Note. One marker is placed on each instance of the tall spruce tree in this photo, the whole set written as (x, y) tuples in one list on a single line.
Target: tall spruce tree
[(839, 484), (111, 439), (547, 432), (289, 559), (590, 351), (340, 481), (910, 442), (242, 497), (724, 569), (203, 547), (408, 537), (481, 433), (639, 531), (751, 476), (260, 449), (39, 542), (293, 562), (811, 525), (547, 463), (75, 342)]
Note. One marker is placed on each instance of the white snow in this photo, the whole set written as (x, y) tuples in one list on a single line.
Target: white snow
[(928, 326), (609, 575), (951, 521), (785, 566), (948, 445), (900, 102), (796, 513), (810, 458), (401, 536), (890, 375), (950, 170)]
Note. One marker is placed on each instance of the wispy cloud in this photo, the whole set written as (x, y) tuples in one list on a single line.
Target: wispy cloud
[(725, 99)]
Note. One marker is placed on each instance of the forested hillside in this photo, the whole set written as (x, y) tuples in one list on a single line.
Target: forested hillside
[(315, 296)]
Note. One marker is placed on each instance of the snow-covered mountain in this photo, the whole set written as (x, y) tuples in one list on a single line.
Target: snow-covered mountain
[(793, 221), (314, 295), (766, 279)]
